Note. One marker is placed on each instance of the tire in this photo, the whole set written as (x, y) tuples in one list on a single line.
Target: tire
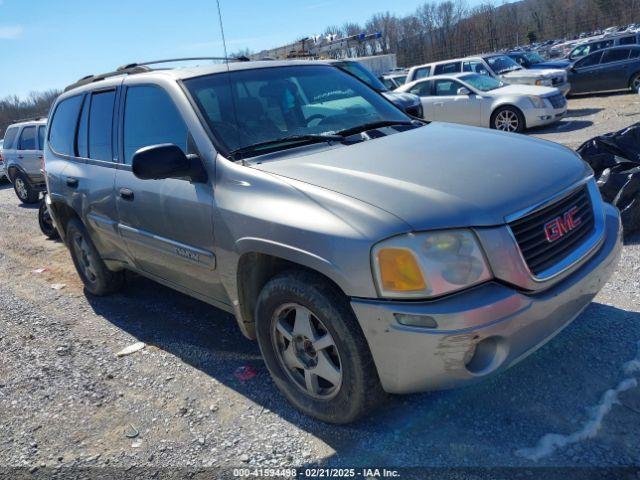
[(46, 222), (24, 190), (635, 83), (97, 278), (291, 356), (508, 119)]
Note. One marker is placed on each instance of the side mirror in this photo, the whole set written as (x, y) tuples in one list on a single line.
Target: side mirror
[(464, 91), (158, 162)]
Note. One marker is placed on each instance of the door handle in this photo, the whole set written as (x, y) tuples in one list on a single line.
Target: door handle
[(126, 194), (20, 157), (439, 104), (72, 182)]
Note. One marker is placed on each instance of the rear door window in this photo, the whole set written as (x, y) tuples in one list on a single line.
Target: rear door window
[(446, 88), (27, 139), (615, 55), (41, 131), (444, 68), (151, 118), (9, 138), (422, 89), (63, 125), (475, 66), (100, 125)]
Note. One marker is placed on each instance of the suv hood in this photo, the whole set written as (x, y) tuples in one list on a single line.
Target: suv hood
[(440, 175), (538, 73), (557, 64), (517, 89)]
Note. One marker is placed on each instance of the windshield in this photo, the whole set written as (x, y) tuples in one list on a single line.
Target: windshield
[(363, 73), (249, 107), (533, 57), (501, 64), (400, 79), (482, 82)]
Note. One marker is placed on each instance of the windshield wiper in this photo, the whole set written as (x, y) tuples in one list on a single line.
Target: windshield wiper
[(371, 125), (291, 140)]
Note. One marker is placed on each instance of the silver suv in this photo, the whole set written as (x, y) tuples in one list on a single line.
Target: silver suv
[(367, 252), (22, 154)]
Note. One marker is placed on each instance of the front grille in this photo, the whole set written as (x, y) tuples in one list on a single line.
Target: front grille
[(557, 101), (529, 231)]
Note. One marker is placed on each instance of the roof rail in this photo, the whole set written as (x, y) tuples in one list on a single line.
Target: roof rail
[(30, 119), (133, 68)]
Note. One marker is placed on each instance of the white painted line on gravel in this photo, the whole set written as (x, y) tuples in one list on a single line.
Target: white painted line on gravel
[(551, 442)]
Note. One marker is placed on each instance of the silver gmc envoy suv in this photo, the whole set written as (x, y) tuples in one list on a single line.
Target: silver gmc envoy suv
[(368, 253)]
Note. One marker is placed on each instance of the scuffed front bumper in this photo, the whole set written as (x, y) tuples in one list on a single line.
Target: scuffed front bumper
[(538, 117), (481, 331)]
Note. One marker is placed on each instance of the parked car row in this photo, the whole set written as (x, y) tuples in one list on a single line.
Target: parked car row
[(480, 100), (348, 238)]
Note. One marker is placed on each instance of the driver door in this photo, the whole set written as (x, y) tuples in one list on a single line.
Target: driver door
[(167, 225)]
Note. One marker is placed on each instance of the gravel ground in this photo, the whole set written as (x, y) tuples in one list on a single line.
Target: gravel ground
[(67, 400)]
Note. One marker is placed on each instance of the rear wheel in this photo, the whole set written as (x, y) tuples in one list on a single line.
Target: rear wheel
[(97, 278), (24, 190), (508, 119), (635, 83), (46, 222), (314, 348)]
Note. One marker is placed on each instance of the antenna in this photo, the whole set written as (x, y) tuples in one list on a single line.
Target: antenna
[(233, 100)]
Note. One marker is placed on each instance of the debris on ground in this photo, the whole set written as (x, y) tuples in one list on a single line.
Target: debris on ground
[(41, 270), (615, 159), (58, 286), (133, 348), (131, 432)]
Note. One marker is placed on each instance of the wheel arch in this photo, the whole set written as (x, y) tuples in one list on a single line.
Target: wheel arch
[(62, 213), (507, 105), (256, 266), (632, 77)]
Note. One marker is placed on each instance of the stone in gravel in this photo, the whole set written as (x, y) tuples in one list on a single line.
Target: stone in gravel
[(244, 458), (58, 286)]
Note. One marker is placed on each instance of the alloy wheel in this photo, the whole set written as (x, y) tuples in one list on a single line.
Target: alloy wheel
[(507, 121), (21, 189), (306, 351), (635, 84)]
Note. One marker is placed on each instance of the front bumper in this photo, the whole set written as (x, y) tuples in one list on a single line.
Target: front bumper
[(481, 331), (537, 117)]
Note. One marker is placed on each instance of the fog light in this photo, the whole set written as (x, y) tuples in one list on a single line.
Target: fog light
[(424, 321)]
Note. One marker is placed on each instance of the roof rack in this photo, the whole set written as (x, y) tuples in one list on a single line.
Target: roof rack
[(141, 67), (30, 119)]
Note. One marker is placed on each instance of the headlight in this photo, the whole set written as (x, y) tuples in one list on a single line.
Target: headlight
[(545, 83), (423, 265), (537, 102)]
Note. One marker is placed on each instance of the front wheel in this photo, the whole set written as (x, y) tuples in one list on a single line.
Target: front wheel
[(314, 348), (508, 119), (24, 190), (97, 278)]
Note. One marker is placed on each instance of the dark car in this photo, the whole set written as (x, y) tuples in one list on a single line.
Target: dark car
[(584, 49), (408, 102), (615, 68), (534, 60)]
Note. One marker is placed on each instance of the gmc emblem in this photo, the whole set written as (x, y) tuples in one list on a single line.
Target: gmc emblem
[(560, 226)]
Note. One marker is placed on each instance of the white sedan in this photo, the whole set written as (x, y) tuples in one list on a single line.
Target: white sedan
[(479, 100)]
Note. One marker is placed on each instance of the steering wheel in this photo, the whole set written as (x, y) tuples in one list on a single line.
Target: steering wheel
[(317, 116)]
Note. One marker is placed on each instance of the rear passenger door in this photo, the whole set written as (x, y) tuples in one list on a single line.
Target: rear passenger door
[(28, 156), (81, 131), (166, 224)]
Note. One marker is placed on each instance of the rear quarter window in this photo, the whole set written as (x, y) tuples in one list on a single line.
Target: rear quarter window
[(10, 138), (445, 68), (63, 125)]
